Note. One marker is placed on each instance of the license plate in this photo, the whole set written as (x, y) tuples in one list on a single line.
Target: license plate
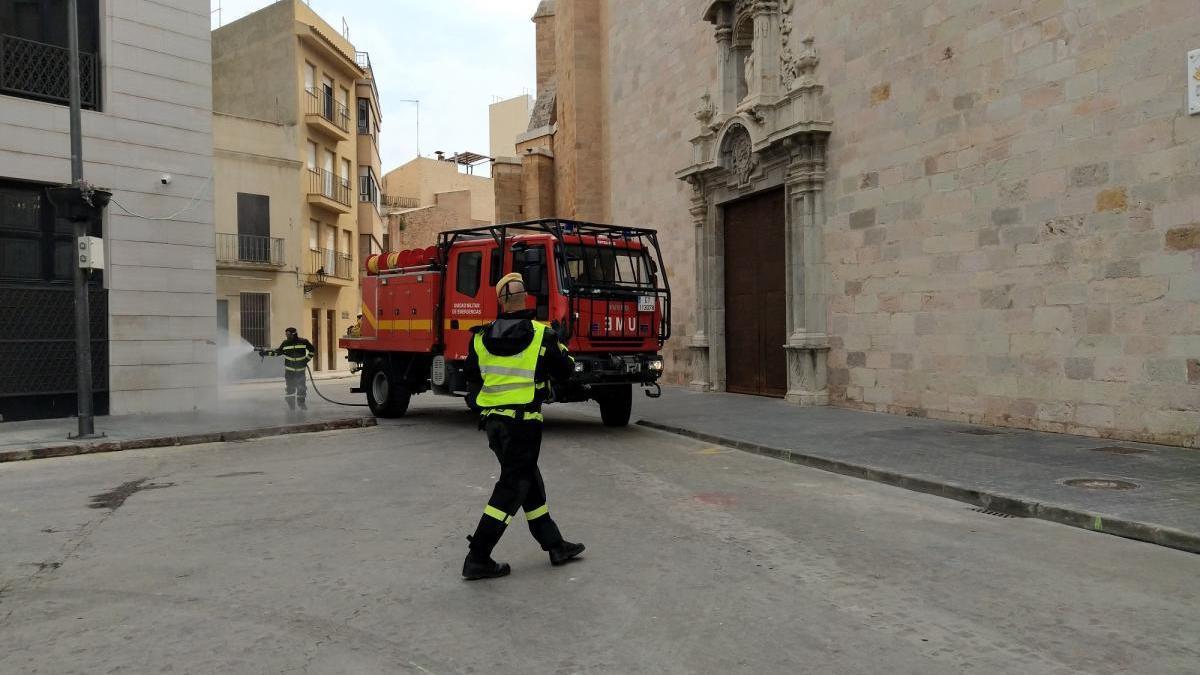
[(646, 303), (634, 367)]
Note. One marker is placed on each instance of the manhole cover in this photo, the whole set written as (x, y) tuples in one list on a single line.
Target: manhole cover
[(1100, 484), (1120, 450)]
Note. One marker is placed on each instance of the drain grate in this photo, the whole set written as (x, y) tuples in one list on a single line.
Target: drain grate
[(1121, 450), (1101, 484), (998, 514)]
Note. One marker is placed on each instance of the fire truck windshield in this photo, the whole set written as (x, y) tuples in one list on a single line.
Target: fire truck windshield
[(607, 266)]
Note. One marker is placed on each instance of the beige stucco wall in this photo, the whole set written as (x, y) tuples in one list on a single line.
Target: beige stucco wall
[(260, 79), (423, 178), (507, 119)]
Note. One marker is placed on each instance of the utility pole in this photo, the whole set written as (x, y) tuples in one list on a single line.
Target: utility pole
[(83, 328)]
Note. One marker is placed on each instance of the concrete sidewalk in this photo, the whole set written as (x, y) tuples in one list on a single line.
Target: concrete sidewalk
[(1011, 471), (248, 410)]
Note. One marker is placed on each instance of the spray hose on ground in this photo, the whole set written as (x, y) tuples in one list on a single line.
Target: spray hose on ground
[(313, 380)]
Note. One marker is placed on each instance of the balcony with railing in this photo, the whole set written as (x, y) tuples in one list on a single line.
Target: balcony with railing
[(328, 191), (326, 115), (325, 264), (38, 70), (242, 250)]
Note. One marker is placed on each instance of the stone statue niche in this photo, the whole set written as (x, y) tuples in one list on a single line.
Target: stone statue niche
[(743, 50)]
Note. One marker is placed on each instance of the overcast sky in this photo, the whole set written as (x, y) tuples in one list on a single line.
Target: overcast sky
[(454, 56)]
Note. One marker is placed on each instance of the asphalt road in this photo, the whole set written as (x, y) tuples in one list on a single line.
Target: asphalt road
[(340, 553)]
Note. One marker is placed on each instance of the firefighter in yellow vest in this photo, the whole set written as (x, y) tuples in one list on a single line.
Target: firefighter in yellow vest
[(508, 370), (296, 352)]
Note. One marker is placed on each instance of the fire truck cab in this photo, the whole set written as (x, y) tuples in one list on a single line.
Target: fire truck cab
[(602, 288)]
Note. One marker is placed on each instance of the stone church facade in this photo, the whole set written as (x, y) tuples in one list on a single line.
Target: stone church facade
[(978, 210)]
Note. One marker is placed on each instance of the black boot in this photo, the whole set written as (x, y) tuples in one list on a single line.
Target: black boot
[(291, 402), (483, 567), (565, 553), (303, 405)]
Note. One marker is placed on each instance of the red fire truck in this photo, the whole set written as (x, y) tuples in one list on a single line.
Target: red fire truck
[(603, 288)]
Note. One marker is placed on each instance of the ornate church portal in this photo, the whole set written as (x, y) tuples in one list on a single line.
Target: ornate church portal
[(758, 173)]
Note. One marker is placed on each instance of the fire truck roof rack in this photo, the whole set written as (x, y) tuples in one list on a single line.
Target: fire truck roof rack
[(621, 279)]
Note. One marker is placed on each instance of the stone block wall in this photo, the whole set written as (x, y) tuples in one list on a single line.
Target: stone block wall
[(654, 78), (419, 228), (1013, 201)]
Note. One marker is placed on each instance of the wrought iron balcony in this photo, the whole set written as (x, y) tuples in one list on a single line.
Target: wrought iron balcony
[(42, 71), (322, 183), (328, 263), (323, 105), (249, 250)]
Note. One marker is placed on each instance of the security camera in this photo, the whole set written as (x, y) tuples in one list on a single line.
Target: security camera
[(165, 179)]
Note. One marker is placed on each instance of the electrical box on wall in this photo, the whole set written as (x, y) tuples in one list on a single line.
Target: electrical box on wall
[(1193, 82), (91, 253)]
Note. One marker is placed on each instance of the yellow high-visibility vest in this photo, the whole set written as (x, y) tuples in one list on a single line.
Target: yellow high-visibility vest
[(509, 380)]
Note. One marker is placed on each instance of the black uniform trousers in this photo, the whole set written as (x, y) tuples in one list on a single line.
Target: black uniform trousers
[(517, 445), (295, 386)]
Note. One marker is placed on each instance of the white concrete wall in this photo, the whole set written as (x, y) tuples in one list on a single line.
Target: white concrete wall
[(156, 118)]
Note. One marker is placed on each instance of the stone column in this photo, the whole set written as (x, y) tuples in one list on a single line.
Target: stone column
[(807, 344), (699, 345), (726, 73)]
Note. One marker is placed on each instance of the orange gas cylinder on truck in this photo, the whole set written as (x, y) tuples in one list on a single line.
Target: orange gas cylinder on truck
[(602, 288)]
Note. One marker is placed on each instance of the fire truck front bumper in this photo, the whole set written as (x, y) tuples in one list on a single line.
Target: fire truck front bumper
[(641, 369)]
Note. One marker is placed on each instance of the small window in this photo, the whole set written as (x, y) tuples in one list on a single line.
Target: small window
[(497, 267), (364, 116), (255, 315), (470, 268)]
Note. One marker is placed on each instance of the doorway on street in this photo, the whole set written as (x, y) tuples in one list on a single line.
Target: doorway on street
[(316, 339), (331, 338), (756, 295)]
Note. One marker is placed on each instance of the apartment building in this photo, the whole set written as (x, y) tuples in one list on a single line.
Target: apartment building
[(147, 137), (298, 202)]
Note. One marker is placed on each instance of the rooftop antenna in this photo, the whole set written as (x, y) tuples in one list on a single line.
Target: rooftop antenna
[(345, 29), (217, 11)]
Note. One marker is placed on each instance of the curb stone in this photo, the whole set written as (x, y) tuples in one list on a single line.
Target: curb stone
[(188, 439), (993, 501)]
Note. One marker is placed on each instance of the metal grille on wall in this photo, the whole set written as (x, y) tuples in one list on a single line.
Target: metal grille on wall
[(41, 70), (256, 319), (37, 351)]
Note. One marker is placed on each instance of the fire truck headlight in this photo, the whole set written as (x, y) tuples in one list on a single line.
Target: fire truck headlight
[(579, 366), (656, 365)]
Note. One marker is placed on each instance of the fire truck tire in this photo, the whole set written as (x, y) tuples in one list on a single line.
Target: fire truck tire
[(616, 404), (386, 395)]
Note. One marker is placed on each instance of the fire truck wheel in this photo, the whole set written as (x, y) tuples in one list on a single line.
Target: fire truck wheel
[(385, 394), (616, 403)]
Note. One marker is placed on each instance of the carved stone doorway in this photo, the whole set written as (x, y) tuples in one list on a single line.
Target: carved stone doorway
[(756, 295)]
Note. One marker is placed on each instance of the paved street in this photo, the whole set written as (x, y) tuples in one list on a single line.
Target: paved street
[(339, 553)]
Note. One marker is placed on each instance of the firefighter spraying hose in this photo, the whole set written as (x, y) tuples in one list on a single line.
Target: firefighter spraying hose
[(298, 353)]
